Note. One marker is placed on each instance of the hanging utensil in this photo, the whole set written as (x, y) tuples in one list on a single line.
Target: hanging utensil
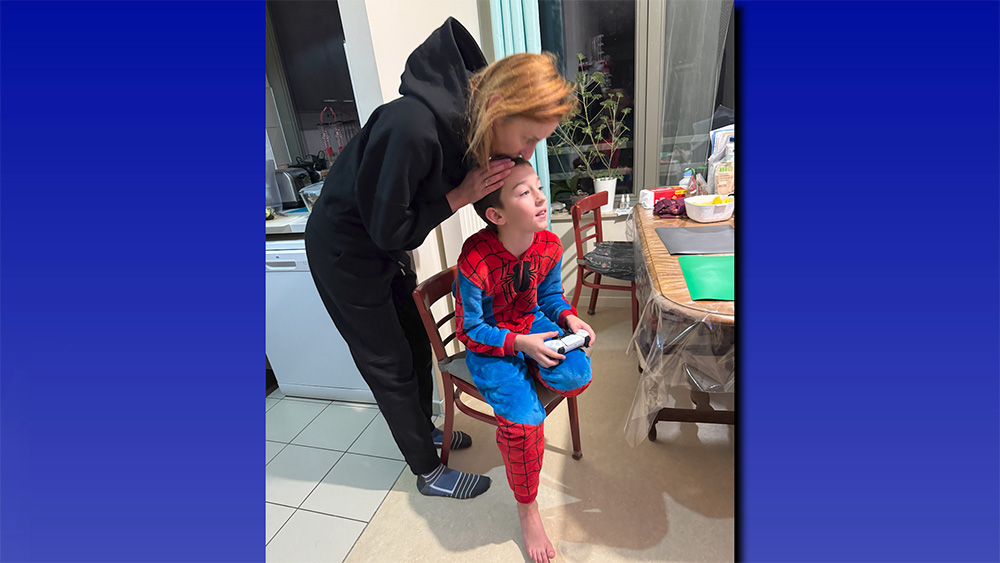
[(325, 128)]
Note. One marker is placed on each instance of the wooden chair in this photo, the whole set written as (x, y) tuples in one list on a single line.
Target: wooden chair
[(614, 259), (455, 374)]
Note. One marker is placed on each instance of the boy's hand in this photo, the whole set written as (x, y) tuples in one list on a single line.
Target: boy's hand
[(534, 345), (575, 323)]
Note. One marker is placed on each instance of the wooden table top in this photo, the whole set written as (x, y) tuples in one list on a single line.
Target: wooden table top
[(666, 278)]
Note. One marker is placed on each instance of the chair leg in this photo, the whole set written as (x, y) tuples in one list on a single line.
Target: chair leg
[(593, 294), (449, 419), (574, 427), (579, 286), (635, 309)]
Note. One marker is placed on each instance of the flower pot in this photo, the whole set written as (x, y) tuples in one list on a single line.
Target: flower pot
[(606, 185)]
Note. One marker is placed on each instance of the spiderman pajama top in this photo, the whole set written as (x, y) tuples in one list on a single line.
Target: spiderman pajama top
[(498, 297)]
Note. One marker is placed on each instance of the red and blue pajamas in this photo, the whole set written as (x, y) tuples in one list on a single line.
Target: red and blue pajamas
[(495, 301)]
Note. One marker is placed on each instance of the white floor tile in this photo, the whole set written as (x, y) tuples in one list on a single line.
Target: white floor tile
[(288, 418), (295, 472), (276, 394), (275, 517), (272, 449), (377, 440), (355, 487), (336, 427), (315, 538), (270, 403)]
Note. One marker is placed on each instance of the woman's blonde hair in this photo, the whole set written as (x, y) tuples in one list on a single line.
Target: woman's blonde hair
[(529, 86)]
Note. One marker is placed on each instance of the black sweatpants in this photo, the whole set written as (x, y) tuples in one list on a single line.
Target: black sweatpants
[(370, 300)]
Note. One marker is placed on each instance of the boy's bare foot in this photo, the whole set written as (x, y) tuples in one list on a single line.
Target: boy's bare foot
[(537, 544)]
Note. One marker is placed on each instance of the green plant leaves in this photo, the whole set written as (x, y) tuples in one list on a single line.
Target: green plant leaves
[(591, 125)]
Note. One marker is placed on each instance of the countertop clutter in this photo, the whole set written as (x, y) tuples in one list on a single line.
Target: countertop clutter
[(293, 222)]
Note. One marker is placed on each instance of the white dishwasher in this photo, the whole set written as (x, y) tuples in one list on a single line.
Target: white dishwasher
[(306, 352)]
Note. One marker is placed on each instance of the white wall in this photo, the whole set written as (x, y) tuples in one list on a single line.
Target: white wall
[(381, 34), (397, 28), (360, 54)]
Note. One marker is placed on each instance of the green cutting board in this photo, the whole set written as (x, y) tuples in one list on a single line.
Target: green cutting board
[(709, 277)]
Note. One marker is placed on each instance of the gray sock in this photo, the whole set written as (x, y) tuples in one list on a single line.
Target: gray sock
[(446, 482), (459, 440)]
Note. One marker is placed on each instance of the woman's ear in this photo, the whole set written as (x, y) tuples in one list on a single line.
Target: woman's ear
[(495, 216), (493, 99)]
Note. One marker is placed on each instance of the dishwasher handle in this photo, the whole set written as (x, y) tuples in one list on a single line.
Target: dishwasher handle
[(286, 261), (281, 265)]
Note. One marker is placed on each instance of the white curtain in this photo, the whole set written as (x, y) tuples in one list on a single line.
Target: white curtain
[(694, 41)]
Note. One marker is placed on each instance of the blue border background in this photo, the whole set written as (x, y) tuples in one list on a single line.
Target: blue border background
[(869, 425), (132, 318), (132, 288)]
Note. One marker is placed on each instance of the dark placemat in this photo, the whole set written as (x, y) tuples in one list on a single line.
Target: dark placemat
[(710, 239)]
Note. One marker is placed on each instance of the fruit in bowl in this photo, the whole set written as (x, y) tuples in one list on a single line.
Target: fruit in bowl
[(717, 200), (709, 208)]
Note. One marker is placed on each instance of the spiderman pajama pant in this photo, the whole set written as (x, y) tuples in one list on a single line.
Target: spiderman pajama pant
[(507, 384)]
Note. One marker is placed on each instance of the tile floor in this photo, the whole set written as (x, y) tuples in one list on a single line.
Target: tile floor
[(329, 467), (337, 488)]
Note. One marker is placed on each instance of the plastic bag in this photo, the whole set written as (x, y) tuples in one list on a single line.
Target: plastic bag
[(670, 208)]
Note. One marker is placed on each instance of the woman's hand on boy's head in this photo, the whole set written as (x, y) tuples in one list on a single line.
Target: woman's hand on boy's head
[(534, 346), (478, 182), (575, 323)]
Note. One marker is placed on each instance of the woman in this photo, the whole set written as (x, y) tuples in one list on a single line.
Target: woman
[(419, 159)]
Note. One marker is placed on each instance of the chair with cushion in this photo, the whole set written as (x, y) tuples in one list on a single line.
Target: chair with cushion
[(455, 376), (614, 259)]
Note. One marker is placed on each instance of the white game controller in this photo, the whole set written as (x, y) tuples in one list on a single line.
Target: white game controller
[(569, 342)]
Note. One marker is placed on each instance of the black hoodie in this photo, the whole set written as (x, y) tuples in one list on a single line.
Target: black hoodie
[(387, 189)]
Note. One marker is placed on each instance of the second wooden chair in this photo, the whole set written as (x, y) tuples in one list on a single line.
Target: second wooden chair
[(614, 259)]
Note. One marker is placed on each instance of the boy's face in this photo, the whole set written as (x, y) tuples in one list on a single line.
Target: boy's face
[(522, 201)]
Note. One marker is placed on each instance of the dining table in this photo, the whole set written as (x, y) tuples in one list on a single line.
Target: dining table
[(685, 348)]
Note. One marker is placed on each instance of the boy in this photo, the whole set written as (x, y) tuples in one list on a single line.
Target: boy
[(509, 300)]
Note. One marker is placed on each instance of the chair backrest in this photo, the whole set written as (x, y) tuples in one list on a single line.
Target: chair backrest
[(582, 207), (425, 295)]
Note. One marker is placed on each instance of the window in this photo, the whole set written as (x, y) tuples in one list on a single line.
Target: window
[(603, 31), (674, 62)]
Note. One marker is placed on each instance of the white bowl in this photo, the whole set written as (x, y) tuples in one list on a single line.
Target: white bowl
[(707, 213)]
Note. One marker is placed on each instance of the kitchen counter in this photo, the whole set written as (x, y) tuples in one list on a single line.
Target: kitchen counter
[(294, 222)]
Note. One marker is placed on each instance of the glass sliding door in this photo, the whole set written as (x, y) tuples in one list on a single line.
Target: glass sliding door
[(603, 31), (684, 86), (673, 62)]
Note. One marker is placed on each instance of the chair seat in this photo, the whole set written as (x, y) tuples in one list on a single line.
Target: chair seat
[(615, 259), (456, 366)]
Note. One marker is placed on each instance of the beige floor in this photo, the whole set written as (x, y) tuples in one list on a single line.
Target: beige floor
[(672, 500)]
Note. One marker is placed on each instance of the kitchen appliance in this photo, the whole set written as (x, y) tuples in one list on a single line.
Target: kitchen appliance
[(309, 166), (290, 181), (307, 353)]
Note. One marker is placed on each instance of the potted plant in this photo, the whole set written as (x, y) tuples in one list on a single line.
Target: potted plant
[(595, 131)]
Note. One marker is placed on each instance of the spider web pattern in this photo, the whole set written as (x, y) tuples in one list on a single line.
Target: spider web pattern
[(522, 447)]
